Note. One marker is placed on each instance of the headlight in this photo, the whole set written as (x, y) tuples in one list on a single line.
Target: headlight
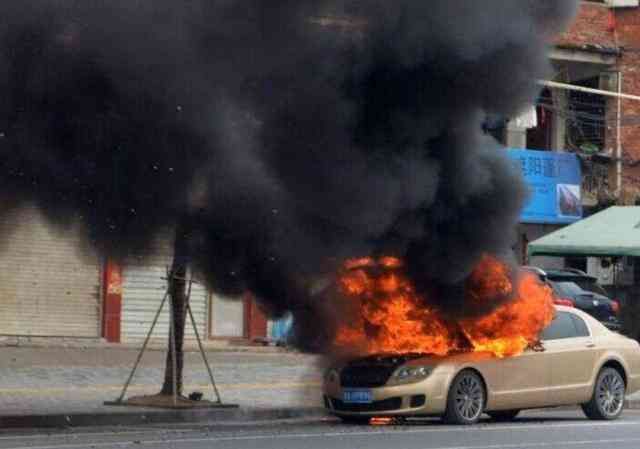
[(331, 376), (410, 374)]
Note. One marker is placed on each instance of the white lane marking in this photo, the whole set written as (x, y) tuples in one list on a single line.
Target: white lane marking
[(549, 444), (386, 432)]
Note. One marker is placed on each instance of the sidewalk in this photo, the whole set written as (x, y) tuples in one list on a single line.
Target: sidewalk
[(634, 400), (71, 381), (54, 387)]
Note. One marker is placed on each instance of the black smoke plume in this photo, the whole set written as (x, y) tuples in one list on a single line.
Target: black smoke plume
[(290, 133)]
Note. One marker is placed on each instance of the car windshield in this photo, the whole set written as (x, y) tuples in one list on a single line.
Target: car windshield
[(566, 288), (591, 286)]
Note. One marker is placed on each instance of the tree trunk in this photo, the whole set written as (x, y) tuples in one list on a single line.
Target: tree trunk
[(178, 293)]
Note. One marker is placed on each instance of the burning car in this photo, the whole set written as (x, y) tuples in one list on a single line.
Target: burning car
[(577, 361), (398, 353)]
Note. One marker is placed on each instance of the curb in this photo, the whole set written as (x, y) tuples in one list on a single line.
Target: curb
[(632, 405), (230, 414), (213, 415)]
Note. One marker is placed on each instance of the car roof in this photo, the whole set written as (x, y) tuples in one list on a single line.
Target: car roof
[(565, 273), (564, 308), (569, 275)]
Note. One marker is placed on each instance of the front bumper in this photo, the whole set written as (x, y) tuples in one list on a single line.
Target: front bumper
[(425, 398)]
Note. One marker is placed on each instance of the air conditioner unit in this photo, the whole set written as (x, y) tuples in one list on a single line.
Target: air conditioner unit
[(608, 81), (608, 272), (622, 3)]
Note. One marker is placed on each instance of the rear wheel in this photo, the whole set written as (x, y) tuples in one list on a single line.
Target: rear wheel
[(503, 415), (355, 420), (466, 399), (607, 401)]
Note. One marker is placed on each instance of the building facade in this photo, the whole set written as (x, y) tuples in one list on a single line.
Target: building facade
[(598, 54), (51, 285)]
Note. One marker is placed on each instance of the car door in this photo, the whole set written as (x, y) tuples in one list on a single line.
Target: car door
[(521, 381), (571, 352)]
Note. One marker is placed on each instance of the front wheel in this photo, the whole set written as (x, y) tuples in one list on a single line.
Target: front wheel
[(466, 399), (607, 401), (503, 415)]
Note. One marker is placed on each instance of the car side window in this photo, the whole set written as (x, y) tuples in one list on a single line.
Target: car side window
[(581, 327), (561, 327)]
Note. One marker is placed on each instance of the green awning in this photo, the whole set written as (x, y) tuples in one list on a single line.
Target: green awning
[(613, 232)]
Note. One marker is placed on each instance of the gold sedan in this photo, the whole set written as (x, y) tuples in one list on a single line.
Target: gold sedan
[(578, 361)]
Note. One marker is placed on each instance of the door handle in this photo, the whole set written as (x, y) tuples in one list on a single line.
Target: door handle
[(591, 345)]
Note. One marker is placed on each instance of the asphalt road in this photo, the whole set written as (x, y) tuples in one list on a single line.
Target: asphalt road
[(547, 430)]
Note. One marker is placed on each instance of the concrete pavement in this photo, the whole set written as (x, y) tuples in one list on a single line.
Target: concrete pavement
[(71, 381)]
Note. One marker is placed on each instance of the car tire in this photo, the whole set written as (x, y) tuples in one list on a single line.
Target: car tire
[(355, 420), (503, 415), (607, 400), (466, 399)]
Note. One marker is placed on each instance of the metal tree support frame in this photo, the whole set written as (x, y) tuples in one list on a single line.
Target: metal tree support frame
[(170, 275)]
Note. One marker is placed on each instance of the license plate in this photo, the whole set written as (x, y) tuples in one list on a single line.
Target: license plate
[(357, 396)]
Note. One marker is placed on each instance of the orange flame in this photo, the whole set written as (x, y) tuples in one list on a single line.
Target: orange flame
[(391, 318), (381, 421)]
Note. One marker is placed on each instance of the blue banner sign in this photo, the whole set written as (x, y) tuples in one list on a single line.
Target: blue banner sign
[(554, 181)]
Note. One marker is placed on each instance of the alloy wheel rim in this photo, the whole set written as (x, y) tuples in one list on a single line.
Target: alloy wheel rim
[(610, 394), (469, 398)]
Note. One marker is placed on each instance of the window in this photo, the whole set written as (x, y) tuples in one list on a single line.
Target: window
[(565, 325), (591, 286), (568, 289), (581, 327)]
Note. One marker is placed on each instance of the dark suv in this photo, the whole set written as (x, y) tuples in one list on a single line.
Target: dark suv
[(577, 289)]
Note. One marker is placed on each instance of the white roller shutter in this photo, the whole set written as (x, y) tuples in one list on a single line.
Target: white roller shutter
[(143, 288), (49, 282), (227, 317)]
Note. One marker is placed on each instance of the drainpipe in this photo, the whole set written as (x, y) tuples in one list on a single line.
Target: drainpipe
[(618, 140)]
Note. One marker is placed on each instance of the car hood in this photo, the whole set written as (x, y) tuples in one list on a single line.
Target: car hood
[(460, 358), (385, 360), (397, 360)]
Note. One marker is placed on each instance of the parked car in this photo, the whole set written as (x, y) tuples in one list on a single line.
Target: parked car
[(577, 289), (578, 361)]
